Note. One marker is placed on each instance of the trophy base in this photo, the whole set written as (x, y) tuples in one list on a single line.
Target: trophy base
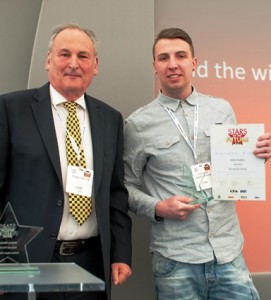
[(23, 269)]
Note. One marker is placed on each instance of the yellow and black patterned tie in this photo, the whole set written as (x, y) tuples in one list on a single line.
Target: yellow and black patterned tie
[(80, 206)]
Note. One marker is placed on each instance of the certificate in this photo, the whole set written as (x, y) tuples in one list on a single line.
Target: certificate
[(236, 173)]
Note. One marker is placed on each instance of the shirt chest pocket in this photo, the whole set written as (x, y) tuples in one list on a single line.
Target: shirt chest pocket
[(166, 152), (167, 142), (203, 144)]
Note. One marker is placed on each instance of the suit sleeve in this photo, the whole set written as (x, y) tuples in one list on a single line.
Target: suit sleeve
[(120, 221), (4, 149)]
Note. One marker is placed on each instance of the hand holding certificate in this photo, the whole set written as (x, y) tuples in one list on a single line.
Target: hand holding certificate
[(236, 173)]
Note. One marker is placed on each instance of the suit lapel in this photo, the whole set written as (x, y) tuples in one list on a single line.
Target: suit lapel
[(43, 115), (97, 134)]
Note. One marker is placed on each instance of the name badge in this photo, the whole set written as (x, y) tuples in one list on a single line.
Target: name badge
[(202, 176), (79, 181)]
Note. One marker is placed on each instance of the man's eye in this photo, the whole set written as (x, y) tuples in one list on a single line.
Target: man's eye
[(83, 56), (182, 55), (161, 58)]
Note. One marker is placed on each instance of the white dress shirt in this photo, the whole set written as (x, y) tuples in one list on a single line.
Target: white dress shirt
[(70, 229)]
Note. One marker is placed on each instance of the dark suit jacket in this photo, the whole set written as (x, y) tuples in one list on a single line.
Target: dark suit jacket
[(30, 173)]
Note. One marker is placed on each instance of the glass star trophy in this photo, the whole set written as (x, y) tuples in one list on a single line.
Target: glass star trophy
[(199, 194), (19, 275), (14, 239)]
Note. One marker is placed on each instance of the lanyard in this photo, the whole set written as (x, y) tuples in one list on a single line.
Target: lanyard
[(182, 132), (76, 149)]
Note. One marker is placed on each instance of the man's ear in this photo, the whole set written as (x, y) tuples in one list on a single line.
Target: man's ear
[(48, 61)]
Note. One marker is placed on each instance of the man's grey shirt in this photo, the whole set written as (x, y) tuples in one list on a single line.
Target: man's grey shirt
[(157, 166)]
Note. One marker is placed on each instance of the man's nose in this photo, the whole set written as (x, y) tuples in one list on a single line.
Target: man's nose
[(172, 63), (73, 63)]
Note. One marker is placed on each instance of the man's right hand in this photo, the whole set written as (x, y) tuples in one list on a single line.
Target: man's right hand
[(175, 207)]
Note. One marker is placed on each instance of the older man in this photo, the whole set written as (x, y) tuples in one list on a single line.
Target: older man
[(50, 137)]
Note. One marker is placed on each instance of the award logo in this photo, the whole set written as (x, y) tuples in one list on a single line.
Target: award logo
[(237, 136)]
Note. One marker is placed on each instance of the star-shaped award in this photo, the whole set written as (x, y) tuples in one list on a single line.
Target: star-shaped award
[(14, 237)]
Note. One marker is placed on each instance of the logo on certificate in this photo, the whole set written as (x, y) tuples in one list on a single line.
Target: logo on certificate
[(237, 136)]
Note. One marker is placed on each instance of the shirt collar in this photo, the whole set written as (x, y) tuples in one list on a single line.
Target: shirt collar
[(57, 98), (173, 103)]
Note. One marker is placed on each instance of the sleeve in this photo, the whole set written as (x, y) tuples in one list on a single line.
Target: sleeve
[(135, 160), (230, 116), (120, 221), (4, 149)]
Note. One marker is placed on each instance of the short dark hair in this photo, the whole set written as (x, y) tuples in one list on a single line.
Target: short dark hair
[(173, 33)]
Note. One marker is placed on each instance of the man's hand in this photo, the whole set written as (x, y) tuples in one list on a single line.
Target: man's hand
[(120, 272), (175, 207), (263, 149)]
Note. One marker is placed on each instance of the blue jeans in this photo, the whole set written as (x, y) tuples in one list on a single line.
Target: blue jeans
[(177, 281)]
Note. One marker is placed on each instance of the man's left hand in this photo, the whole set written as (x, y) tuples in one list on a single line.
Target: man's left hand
[(263, 149), (120, 272)]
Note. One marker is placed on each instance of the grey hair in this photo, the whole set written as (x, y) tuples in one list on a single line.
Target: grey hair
[(57, 29)]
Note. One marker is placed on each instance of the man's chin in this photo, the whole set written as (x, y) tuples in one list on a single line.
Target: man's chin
[(73, 91)]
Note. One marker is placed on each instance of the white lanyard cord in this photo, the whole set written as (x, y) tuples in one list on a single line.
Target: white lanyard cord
[(182, 132), (76, 149)]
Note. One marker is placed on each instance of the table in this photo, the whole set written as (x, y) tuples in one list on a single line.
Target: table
[(47, 277)]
